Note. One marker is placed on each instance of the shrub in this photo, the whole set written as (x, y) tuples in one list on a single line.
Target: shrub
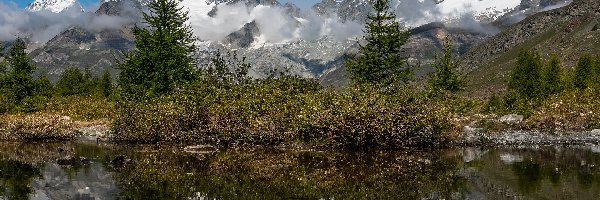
[(288, 109)]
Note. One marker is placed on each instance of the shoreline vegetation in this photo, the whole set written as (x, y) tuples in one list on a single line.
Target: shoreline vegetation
[(160, 97)]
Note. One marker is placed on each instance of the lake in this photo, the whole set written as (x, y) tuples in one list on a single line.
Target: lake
[(88, 171)]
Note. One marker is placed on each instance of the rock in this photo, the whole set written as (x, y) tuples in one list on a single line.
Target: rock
[(200, 149), (512, 119), (472, 130), (73, 161), (120, 161)]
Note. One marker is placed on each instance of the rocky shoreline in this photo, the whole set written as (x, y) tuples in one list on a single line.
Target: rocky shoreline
[(526, 137)]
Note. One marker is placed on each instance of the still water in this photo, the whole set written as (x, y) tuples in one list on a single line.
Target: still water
[(90, 171)]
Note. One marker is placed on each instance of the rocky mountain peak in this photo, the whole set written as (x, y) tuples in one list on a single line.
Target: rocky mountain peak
[(55, 6)]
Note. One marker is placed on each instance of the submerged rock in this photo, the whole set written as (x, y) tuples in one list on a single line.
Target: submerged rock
[(200, 149), (73, 161)]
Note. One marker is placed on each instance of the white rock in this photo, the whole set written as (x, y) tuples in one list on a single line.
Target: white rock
[(512, 119)]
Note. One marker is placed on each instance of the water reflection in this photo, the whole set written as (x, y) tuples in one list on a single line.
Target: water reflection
[(89, 171)]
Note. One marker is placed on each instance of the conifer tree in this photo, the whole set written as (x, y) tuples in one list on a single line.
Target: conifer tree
[(380, 60), (447, 76), (18, 81), (71, 82), (43, 86), (2, 66), (105, 84), (162, 59), (552, 74), (526, 77), (583, 72)]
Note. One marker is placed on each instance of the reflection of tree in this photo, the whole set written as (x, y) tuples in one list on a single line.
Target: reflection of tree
[(15, 178), (571, 168), (529, 176), (275, 174)]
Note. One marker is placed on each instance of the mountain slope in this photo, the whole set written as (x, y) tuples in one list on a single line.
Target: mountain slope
[(96, 50), (567, 32)]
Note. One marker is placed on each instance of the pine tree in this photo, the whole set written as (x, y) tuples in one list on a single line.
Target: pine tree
[(106, 84), (583, 72), (380, 60), (447, 75), (162, 59), (43, 86), (71, 82), (552, 74), (18, 81), (596, 74), (526, 77)]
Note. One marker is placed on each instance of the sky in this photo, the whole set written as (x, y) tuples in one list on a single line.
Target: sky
[(90, 3)]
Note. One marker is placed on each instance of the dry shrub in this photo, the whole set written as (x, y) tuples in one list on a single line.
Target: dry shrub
[(37, 127), (287, 110)]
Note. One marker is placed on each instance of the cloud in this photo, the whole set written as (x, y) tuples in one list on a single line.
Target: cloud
[(42, 26), (275, 23)]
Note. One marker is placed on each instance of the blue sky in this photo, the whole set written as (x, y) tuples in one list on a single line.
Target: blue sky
[(88, 3)]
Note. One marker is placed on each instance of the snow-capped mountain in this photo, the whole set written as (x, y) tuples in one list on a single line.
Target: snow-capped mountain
[(415, 13), (56, 6)]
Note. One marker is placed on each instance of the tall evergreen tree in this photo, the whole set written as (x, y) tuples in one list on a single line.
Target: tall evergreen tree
[(18, 81), (380, 59), (447, 76), (71, 82), (105, 84), (583, 72), (552, 74), (43, 86), (162, 59), (526, 77)]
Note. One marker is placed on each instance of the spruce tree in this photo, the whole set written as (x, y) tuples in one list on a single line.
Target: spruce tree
[(526, 77), (380, 60), (71, 82), (552, 74), (18, 81), (43, 86), (583, 72), (447, 76), (105, 84), (162, 59)]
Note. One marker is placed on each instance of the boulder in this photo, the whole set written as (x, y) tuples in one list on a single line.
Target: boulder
[(512, 119)]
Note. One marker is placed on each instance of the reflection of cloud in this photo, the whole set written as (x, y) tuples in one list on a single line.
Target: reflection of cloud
[(508, 158)]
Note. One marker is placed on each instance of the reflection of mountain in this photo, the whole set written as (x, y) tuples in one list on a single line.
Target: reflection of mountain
[(90, 182)]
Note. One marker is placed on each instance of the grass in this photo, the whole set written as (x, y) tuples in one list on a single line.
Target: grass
[(58, 119)]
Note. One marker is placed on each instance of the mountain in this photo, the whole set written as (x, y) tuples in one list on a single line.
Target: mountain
[(424, 44), (416, 13), (55, 6), (319, 58), (567, 32), (83, 48)]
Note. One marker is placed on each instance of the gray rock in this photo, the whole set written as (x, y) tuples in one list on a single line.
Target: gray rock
[(512, 119)]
